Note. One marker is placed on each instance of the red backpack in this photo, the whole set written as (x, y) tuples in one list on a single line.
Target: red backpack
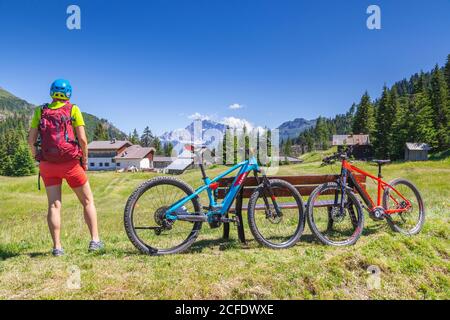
[(58, 143)]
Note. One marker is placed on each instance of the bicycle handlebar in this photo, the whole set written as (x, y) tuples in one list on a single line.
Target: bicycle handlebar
[(337, 156)]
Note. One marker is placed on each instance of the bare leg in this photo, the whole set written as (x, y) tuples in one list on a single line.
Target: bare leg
[(54, 214), (86, 198)]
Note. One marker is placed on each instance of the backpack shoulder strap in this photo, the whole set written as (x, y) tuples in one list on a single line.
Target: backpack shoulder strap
[(71, 111), (44, 106), (41, 108), (73, 106)]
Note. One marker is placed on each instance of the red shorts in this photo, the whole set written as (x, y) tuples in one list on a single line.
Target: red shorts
[(54, 173)]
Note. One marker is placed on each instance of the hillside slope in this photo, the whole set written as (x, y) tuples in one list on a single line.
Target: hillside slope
[(11, 106), (291, 129)]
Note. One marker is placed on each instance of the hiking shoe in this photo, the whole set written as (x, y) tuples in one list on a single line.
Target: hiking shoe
[(95, 246), (58, 252)]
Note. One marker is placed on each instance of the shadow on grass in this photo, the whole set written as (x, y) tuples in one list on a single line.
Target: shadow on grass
[(221, 243), (7, 254), (309, 238), (367, 231), (37, 254)]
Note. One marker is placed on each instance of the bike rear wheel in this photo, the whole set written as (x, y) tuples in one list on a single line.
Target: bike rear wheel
[(411, 221), (269, 229), (331, 225), (145, 222)]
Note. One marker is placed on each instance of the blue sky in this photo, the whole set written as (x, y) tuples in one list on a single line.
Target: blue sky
[(157, 62)]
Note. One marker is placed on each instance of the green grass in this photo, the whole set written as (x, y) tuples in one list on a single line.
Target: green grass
[(411, 267)]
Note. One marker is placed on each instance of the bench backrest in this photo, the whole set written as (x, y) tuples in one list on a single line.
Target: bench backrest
[(305, 184)]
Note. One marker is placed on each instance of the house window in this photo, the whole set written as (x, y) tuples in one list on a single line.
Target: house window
[(92, 164), (118, 164), (100, 164), (106, 164)]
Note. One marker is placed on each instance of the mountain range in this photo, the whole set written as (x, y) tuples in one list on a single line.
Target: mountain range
[(10, 105), (204, 125), (291, 129)]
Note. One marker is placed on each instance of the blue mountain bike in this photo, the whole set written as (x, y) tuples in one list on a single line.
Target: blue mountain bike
[(164, 215)]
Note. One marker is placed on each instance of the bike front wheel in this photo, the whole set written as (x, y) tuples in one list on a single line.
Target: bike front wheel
[(273, 230), (411, 221), (328, 221), (145, 217)]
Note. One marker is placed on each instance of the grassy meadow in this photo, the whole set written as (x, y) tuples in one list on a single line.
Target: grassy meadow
[(410, 267)]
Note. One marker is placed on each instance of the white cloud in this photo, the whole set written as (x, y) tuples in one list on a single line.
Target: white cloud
[(199, 116), (238, 123), (235, 106), (231, 122)]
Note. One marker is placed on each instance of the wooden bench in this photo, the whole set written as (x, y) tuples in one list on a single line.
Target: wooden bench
[(305, 184)]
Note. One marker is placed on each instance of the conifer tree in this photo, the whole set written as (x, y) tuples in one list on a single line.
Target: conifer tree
[(22, 161), (421, 123), (100, 132), (382, 125), (447, 75), (397, 110), (134, 137), (157, 145), (224, 146), (321, 133), (168, 147), (441, 109), (147, 137), (363, 121), (15, 156), (287, 147), (269, 142)]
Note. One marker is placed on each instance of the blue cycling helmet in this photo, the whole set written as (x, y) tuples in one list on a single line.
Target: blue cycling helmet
[(61, 89)]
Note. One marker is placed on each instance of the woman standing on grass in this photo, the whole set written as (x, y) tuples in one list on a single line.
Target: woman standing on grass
[(63, 154)]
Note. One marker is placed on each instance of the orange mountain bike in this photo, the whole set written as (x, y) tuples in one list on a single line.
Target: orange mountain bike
[(335, 214)]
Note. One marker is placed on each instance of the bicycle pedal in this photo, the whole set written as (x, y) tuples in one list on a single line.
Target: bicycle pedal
[(228, 220), (236, 221)]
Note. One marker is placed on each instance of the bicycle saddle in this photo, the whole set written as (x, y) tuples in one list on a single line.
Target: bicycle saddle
[(381, 162)]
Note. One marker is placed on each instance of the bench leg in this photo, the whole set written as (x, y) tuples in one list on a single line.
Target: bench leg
[(226, 229), (241, 232), (240, 222), (353, 218), (330, 220)]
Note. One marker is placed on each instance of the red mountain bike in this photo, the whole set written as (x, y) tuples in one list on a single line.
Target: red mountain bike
[(335, 215)]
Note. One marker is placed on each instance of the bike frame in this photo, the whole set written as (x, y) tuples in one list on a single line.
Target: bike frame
[(347, 172), (211, 185)]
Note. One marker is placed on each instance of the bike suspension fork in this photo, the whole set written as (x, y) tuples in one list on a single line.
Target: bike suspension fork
[(343, 186), (266, 186)]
